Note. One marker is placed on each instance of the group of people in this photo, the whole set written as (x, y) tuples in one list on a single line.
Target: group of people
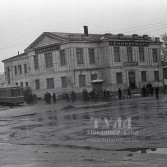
[(31, 98), (149, 90), (70, 97), (48, 97)]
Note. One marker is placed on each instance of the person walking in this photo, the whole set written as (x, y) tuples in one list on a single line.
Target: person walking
[(129, 93), (119, 93), (157, 92), (54, 97), (73, 96), (108, 94)]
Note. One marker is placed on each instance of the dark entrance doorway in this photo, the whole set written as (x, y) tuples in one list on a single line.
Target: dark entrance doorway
[(132, 83)]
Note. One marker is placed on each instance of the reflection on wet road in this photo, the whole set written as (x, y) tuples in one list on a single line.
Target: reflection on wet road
[(93, 128)]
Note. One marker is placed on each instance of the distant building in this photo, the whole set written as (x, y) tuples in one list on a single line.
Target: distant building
[(61, 62)]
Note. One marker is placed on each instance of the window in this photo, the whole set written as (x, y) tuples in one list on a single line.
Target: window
[(116, 54), (62, 58), (37, 84), (156, 75), (91, 56), (20, 69), (64, 82), (21, 83), (48, 60), (26, 84), (82, 81), (93, 77), (155, 55), (15, 69), (143, 75), (50, 83), (25, 68), (141, 54), (36, 63), (79, 54), (119, 77), (129, 54), (16, 83)]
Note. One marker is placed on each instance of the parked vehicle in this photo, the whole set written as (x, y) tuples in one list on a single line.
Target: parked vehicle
[(11, 95)]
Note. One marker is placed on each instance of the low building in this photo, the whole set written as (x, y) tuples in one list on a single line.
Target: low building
[(61, 62)]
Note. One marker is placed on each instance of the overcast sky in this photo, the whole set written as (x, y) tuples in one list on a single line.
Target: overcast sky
[(22, 21)]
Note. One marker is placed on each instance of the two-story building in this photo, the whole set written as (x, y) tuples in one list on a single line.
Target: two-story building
[(60, 62)]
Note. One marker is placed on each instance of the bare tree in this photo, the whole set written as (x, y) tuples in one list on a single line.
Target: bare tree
[(164, 47)]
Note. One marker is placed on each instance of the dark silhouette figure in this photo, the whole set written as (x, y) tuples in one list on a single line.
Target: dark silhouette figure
[(144, 91), (54, 97), (129, 93), (104, 94), (73, 96), (108, 94), (119, 93), (157, 92)]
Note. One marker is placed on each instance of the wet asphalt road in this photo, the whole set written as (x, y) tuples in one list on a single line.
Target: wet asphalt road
[(130, 132)]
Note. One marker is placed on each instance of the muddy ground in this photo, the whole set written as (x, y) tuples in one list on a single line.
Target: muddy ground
[(126, 133)]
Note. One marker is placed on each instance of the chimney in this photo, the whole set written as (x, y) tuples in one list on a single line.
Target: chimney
[(157, 39), (135, 36), (120, 35), (145, 37), (86, 30)]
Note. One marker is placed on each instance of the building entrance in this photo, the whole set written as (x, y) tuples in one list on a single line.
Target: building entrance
[(132, 83)]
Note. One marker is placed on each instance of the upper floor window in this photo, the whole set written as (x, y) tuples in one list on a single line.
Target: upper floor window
[(129, 54), (141, 54), (64, 82), (25, 68), (62, 58), (26, 84), (50, 83), (155, 55), (91, 56), (36, 63), (48, 60), (79, 54), (116, 54), (119, 77), (20, 69), (15, 69)]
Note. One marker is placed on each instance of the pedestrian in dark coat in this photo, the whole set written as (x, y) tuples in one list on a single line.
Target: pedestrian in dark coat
[(35, 98), (104, 94), (144, 91), (54, 97), (157, 92), (129, 93), (73, 96), (119, 93), (108, 94)]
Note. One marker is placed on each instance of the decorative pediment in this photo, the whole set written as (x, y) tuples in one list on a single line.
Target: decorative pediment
[(45, 40)]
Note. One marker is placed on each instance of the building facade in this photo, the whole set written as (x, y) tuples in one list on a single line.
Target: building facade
[(61, 62)]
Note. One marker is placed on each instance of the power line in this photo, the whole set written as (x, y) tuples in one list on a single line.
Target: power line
[(148, 25), (13, 46)]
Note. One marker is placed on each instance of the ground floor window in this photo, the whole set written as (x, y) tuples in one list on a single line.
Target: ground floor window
[(37, 84), (119, 77), (50, 83), (143, 75), (82, 81), (156, 75), (64, 82)]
